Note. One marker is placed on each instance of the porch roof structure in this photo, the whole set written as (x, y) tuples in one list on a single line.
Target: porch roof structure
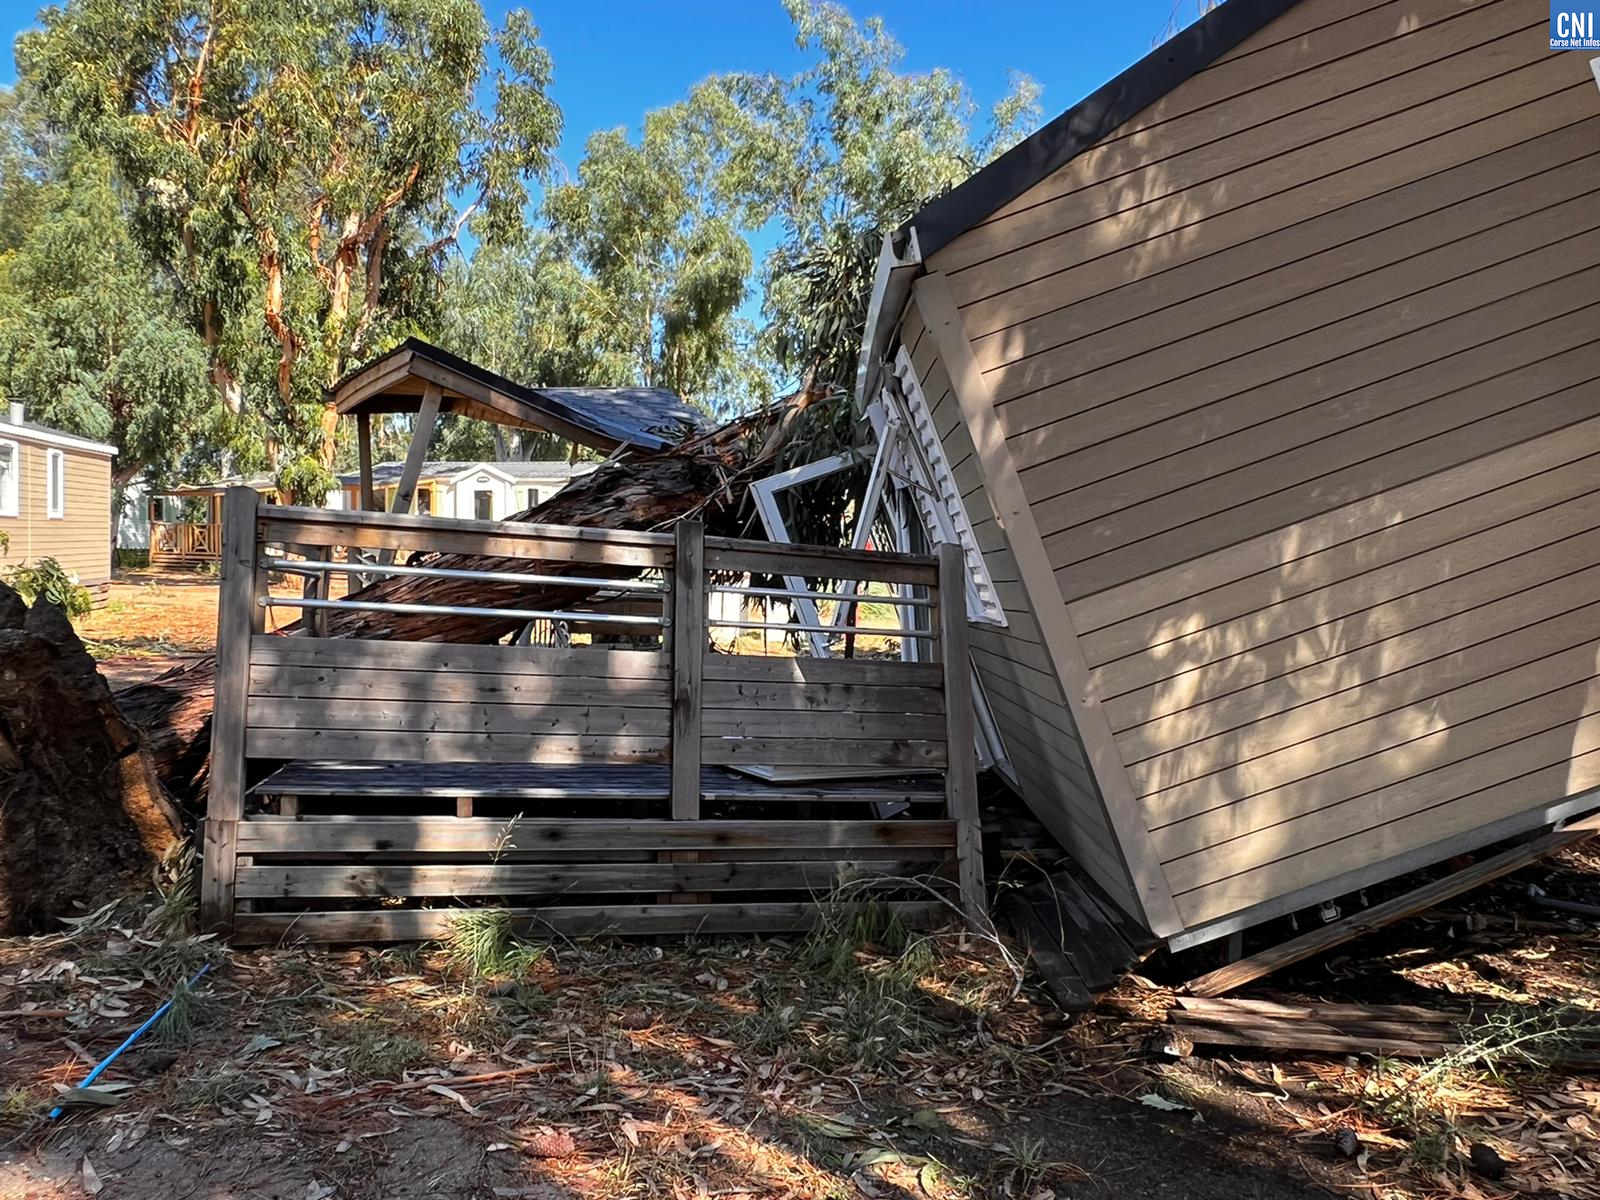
[(600, 418)]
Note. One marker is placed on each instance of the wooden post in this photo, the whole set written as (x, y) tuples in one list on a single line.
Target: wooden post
[(239, 617), (364, 450), (688, 663), (961, 769), (417, 452)]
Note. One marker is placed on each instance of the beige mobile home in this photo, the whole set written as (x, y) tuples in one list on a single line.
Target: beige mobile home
[(55, 500), (1270, 378)]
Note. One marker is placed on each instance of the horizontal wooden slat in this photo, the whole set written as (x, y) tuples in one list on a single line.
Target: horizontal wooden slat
[(823, 752), (365, 880), (821, 697), (818, 562), (263, 835), (357, 655), (442, 686), (573, 921), (324, 713), (395, 745), (864, 672)]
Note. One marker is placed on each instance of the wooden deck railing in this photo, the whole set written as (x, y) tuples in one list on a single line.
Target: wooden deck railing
[(184, 542), (328, 752)]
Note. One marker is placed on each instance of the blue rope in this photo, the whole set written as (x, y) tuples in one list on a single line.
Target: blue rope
[(132, 1038)]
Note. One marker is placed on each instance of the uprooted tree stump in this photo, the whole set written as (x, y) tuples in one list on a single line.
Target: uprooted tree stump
[(82, 812)]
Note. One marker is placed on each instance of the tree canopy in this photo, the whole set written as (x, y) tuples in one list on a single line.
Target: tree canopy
[(211, 209)]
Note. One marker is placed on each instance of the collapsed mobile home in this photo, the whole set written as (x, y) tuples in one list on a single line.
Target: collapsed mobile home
[(1267, 379)]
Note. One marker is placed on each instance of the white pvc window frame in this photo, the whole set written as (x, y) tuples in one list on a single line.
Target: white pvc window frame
[(55, 484), (11, 480)]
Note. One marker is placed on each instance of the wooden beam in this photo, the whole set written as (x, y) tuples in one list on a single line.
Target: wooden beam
[(688, 660), (456, 835), (417, 452), (936, 303), (238, 618), (364, 450), (1316, 941), (961, 755)]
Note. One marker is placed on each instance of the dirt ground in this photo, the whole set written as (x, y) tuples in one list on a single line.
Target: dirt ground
[(155, 620), (858, 1062)]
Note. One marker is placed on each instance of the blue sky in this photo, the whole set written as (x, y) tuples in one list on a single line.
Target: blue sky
[(615, 59)]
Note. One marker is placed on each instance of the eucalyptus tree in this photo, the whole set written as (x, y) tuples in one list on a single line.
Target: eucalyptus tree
[(89, 341), (300, 170), (850, 147)]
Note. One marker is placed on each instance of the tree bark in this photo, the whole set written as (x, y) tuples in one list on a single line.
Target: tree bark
[(705, 477), (82, 812)]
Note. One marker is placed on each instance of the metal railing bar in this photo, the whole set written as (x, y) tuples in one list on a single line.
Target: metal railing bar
[(871, 630), (312, 567), (806, 594), (455, 610)]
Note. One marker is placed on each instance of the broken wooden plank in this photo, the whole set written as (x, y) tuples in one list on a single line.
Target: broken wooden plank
[(1297, 949), (1056, 968)]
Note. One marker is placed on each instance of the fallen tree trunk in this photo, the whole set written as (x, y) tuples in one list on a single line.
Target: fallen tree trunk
[(706, 477), (82, 812)]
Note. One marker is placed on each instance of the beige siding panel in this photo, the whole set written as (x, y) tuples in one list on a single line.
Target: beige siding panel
[(1315, 63), (1354, 795), (1269, 119), (1360, 749), (1196, 446), (1138, 245), (1404, 261), (81, 539), (1300, 500), (1264, 555), (1152, 197), (1311, 253), (1300, 370), (1015, 669), (1458, 796), (1081, 422), (1340, 634), (1414, 689), (1391, 544), (1294, 26), (1550, 540), (1347, 686), (1577, 772)]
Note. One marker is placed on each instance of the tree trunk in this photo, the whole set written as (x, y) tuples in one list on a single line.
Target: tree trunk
[(82, 812), (705, 477)]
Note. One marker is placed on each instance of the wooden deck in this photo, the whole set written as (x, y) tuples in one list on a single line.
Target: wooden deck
[(367, 789)]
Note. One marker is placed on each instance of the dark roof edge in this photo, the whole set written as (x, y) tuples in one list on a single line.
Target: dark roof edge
[(941, 221)]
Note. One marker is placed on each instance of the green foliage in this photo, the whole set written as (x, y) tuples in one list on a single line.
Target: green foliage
[(47, 579), (208, 213), (298, 171), (480, 941)]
